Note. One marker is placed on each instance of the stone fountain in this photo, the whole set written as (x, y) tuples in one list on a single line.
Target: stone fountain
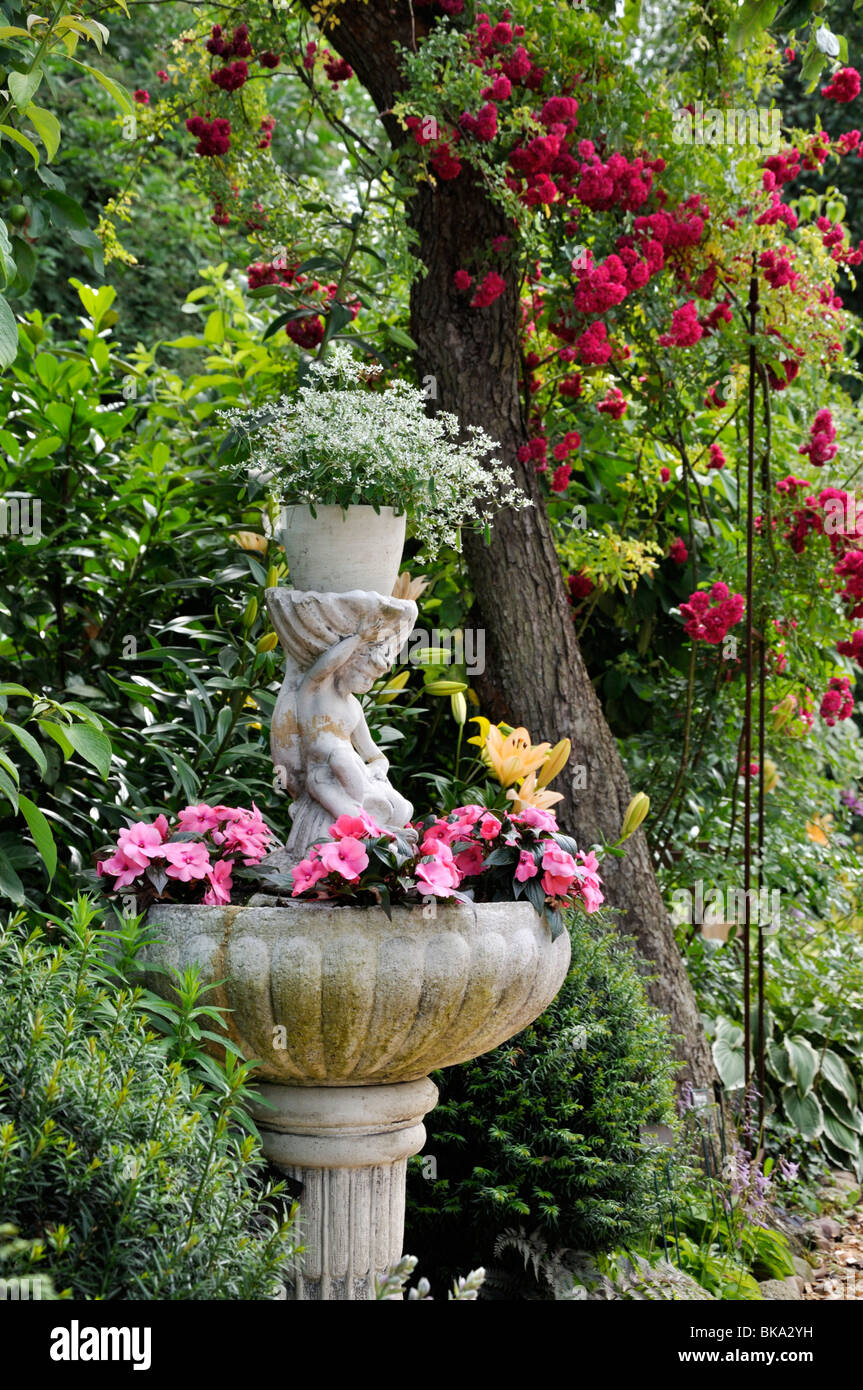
[(348, 1010)]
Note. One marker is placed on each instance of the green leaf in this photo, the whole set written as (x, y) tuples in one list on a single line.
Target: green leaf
[(10, 688), (23, 86), (729, 1063), (803, 1060), (94, 748), (41, 832), (401, 338), (8, 335), (836, 1070), (8, 268), (58, 733), (840, 1135), (835, 1102), (779, 1063), (804, 1112), (29, 744), (23, 140), (10, 884), (47, 127), (120, 95)]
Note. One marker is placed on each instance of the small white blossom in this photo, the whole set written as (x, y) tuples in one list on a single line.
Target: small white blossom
[(343, 439)]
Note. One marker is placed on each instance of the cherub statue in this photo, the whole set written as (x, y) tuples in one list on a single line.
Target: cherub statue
[(336, 646)]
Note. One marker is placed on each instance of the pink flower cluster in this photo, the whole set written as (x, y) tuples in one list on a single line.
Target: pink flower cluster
[(821, 447), (837, 701), (150, 855), (470, 853), (710, 614), (686, 331), (844, 86)]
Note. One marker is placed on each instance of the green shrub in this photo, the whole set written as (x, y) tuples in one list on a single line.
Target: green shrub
[(133, 1182), (544, 1131)]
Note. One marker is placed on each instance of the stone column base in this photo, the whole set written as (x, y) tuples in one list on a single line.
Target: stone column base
[(348, 1146)]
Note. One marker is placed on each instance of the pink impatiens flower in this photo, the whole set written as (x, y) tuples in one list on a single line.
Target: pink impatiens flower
[(219, 879), (186, 860), (589, 881), (199, 819), (526, 867), (536, 818), (489, 827), (559, 870), (357, 827), (438, 876), (140, 843), (305, 875), (346, 857)]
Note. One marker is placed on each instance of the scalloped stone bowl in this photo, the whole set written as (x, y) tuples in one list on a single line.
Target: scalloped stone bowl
[(342, 996)]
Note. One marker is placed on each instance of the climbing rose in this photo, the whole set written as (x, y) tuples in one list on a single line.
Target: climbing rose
[(821, 447), (462, 280), (677, 552), (717, 458), (614, 403), (685, 328), (844, 85), (853, 648), (306, 332), (837, 702), (711, 614), (491, 289), (142, 96), (214, 137)]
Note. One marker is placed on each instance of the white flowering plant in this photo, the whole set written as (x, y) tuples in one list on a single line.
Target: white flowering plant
[(344, 438)]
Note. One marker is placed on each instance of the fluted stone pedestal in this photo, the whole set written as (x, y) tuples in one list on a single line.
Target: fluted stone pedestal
[(348, 1146), (346, 1011)]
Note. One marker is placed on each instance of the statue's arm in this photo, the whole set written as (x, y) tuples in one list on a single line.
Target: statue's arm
[(331, 660), (366, 746)]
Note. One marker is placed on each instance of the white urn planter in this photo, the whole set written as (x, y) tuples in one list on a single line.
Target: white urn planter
[(339, 549), (347, 1012)]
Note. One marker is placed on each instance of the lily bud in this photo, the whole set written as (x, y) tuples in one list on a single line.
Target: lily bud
[(251, 612), (444, 687), (554, 763), (634, 815), (393, 687), (272, 579), (267, 642), (459, 707)]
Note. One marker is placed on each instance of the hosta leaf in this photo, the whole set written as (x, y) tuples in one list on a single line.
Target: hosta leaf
[(729, 1064), (804, 1112), (836, 1070), (804, 1062), (840, 1135)]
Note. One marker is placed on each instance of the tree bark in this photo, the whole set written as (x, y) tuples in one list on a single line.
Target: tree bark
[(535, 672)]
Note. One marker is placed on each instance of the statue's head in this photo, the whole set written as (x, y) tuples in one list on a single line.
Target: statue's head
[(368, 664)]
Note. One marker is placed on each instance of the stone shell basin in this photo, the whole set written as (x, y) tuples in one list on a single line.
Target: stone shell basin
[(341, 996)]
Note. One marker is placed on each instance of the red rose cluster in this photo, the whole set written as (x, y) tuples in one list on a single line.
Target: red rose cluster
[(837, 702), (711, 614)]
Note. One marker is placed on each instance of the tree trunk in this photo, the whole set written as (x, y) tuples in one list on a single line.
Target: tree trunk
[(535, 673)]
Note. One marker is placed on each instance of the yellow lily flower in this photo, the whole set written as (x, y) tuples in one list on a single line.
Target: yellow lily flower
[(528, 794), (513, 757)]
